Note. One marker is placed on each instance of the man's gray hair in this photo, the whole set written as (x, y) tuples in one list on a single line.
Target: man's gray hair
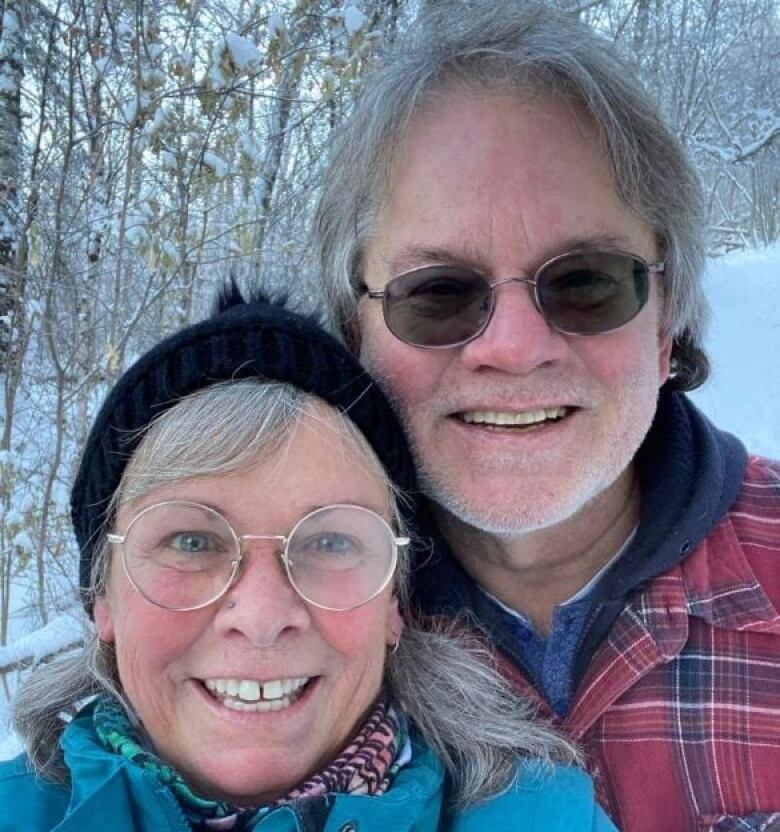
[(446, 680), (458, 46)]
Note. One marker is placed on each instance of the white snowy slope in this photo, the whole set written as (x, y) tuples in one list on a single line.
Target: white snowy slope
[(743, 392)]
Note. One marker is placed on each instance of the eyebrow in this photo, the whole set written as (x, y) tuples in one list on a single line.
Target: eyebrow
[(226, 513), (376, 509), (414, 257)]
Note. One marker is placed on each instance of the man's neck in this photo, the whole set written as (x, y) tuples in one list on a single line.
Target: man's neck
[(535, 571)]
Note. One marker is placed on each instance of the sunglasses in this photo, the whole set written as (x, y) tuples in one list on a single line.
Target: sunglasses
[(577, 293)]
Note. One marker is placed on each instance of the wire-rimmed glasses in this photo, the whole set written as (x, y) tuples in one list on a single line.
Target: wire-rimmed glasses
[(183, 555)]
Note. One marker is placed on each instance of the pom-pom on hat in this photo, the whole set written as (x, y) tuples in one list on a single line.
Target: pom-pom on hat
[(242, 339)]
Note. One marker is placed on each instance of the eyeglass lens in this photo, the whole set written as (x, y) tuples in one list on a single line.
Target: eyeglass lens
[(339, 557), (583, 293), (183, 555)]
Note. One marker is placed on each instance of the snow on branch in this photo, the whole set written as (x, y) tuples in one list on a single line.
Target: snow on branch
[(737, 152), (759, 144), (60, 634)]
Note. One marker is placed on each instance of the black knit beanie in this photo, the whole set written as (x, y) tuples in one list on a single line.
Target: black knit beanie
[(242, 339)]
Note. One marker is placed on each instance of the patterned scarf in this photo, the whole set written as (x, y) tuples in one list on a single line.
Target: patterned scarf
[(366, 766)]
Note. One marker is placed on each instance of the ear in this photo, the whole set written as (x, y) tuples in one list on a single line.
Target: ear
[(395, 623), (104, 620)]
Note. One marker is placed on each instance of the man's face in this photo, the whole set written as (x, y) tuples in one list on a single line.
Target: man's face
[(501, 184)]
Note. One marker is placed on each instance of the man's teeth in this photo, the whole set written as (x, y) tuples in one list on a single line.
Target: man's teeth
[(248, 694), (524, 417)]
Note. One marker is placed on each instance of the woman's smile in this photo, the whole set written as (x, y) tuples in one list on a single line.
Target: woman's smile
[(252, 696)]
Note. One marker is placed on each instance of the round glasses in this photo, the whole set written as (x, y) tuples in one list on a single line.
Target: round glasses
[(577, 293), (183, 556)]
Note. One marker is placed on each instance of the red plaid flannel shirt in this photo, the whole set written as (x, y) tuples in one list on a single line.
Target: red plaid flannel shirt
[(679, 710)]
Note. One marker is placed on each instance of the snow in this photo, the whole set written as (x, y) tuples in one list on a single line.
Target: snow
[(216, 76), (170, 250), (10, 745), (216, 163), (353, 19), (275, 24), (742, 396), (11, 27), (130, 110), (24, 542), (743, 392), (59, 634), (244, 53), (168, 160), (103, 65), (769, 135), (8, 84), (154, 50)]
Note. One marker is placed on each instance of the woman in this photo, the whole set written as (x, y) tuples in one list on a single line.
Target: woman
[(243, 558)]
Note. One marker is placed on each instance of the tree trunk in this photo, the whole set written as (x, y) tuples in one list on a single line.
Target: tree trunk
[(11, 44)]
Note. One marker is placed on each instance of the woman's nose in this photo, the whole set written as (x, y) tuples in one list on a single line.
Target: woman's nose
[(261, 604)]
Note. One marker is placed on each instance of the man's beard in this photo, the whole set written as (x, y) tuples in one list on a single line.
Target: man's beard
[(589, 478)]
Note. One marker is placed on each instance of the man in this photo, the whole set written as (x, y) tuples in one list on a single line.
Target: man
[(512, 240)]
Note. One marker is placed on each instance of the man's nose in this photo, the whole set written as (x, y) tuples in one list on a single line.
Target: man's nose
[(517, 338), (262, 605)]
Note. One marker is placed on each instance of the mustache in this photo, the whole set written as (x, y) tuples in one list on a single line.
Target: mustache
[(502, 396)]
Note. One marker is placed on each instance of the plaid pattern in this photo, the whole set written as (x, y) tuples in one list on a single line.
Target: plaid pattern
[(679, 710)]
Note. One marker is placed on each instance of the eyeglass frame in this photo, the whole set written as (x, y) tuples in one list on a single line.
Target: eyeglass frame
[(238, 561), (657, 267)]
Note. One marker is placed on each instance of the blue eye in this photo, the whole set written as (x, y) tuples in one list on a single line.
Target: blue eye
[(332, 543), (193, 543), (327, 550)]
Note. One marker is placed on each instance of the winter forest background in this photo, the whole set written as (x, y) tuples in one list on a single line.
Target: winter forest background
[(151, 149)]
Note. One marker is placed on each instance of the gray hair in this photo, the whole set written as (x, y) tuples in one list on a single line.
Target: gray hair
[(511, 46), (446, 680)]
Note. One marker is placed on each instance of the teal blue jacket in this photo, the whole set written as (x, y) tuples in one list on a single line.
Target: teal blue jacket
[(109, 794)]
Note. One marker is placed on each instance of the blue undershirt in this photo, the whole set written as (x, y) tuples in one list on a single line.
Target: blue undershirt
[(551, 659)]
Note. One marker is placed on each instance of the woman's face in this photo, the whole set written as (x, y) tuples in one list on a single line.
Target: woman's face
[(260, 631)]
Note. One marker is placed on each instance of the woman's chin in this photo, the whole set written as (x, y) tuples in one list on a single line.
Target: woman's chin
[(248, 756)]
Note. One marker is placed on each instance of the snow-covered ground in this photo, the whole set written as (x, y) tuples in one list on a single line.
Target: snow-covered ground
[(742, 395)]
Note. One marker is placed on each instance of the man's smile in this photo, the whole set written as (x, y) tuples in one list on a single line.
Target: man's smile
[(513, 418)]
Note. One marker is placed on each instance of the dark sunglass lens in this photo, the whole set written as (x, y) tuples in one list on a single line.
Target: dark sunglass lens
[(437, 306), (591, 293)]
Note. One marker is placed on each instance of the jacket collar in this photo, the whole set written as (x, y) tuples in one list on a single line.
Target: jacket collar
[(108, 791)]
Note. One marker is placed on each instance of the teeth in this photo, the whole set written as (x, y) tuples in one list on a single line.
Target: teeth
[(245, 694), (257, 707), (525, 417), (249, 691), (273, 690)]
